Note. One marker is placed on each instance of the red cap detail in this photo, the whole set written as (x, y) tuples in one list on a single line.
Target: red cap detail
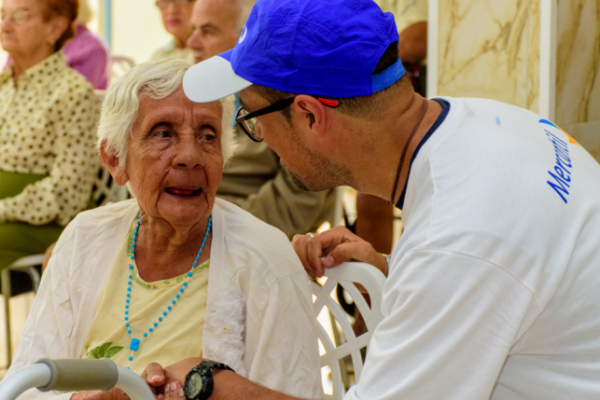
[(327, 102)]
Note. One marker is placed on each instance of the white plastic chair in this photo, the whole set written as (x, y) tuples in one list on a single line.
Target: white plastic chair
[(347, 274), (120, 65)]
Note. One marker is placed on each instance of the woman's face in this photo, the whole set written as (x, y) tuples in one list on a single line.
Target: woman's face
[(24, 30), (174, 162), (176, 19)]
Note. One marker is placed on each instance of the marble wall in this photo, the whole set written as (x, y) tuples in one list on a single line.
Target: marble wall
[(578, 71), (490, 49)]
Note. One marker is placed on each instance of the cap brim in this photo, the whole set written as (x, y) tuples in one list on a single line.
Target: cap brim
[(212, 80)]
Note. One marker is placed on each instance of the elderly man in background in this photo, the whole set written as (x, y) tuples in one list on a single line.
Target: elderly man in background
[(255, 180), (175, 16)]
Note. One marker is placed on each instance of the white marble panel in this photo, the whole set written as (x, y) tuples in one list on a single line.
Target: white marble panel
[(588, 136), (490, 49), (578, 62)]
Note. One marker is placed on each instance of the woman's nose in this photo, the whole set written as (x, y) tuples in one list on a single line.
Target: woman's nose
[(171, 9), (188, 154)]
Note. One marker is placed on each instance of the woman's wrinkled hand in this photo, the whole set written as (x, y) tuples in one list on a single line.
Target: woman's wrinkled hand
[(114, 394), (334, 247)]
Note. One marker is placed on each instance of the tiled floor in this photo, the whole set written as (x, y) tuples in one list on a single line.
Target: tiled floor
[(19, 308)]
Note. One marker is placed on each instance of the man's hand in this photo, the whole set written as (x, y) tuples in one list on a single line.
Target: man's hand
[(177, 372), (336, 245), (114, 394), (167, 383)]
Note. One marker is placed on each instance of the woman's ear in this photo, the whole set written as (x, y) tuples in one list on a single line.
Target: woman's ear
[(110, 159), (56, 27)]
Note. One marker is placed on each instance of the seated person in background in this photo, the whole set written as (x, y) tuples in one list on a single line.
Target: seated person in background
[(86, 53), (47, 129), (175, 16), (375, 216), (411, 20), (173, 273), (255, 180)]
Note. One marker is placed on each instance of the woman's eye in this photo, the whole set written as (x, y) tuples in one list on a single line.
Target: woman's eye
[(162, 134)]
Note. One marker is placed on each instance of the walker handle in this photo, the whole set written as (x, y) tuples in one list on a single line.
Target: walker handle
[(74, 375)]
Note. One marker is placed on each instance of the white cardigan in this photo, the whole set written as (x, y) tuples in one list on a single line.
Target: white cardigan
[(257, 289)]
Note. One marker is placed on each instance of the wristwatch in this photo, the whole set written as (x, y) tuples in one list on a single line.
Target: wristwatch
[(199, 382)]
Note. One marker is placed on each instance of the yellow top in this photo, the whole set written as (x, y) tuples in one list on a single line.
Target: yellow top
[(406, 12), (177, 337), (48, 127)]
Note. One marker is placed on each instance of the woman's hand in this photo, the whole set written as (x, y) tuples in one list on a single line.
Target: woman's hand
[(114, 394), (336, 245)]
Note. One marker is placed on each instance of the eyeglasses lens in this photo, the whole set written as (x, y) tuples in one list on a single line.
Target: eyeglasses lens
[(17, 17), (162, 4), (249, 125)]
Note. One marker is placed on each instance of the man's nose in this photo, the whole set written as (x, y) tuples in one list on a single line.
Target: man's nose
[(195, 41)]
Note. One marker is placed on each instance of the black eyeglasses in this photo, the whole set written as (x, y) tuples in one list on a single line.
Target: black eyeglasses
[(247, 121)]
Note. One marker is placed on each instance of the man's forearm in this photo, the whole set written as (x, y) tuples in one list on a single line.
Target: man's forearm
[(231, 386)]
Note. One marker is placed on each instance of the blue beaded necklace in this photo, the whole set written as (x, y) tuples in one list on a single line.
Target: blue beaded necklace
[(134, 345)]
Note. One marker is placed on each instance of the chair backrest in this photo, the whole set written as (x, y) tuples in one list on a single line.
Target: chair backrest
[(105, 190), (347, 275), (120, 65)]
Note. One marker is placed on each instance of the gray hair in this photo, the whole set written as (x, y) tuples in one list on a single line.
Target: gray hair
[(244, 7), (157, 79)]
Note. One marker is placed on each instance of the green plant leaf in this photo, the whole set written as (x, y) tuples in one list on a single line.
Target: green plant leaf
[(95, 353), (103, 349), (113, 351)]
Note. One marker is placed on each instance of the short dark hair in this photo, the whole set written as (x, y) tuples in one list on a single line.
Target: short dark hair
[(361, 107)]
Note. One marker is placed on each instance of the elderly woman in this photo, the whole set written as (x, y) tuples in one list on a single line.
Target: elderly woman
[(86, 53), (174, 273), (175, 15), (47, 128)]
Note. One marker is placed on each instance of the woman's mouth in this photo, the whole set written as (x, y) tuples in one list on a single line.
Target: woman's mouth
[(183, 192), (173, 21)]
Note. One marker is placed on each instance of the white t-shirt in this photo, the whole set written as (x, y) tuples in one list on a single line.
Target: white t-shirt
[(494, 288)]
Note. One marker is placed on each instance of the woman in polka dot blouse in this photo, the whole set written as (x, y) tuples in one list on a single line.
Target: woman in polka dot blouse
[(47, 128)]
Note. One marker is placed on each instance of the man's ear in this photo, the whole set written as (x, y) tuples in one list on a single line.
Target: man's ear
[(310, 114), (110, 159)]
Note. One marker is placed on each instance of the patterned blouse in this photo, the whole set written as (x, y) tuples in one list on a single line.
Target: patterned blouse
[(47, 126)]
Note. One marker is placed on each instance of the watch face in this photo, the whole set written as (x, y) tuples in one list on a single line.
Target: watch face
[(194, 385)]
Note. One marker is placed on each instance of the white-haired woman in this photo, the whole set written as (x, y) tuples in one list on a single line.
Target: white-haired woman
[(174, 273)]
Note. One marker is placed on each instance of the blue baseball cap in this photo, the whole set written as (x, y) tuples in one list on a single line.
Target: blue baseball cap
[(315, 47)]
